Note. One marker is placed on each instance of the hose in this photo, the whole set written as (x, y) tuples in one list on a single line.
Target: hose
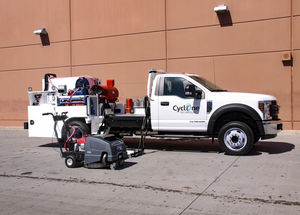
[(73, 132)]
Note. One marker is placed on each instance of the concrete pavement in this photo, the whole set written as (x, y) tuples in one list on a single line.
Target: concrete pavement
[(187, 176)]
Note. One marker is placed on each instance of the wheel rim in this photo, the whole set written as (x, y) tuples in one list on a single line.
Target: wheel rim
[(235, 139), (70, 162)]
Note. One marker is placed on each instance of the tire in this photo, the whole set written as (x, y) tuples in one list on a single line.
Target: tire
[(70, 161), (236, 138), (81, 129), (256, 138)]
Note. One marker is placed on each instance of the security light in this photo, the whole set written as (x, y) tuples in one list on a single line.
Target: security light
[(40, 31), (221, 8), (224, 15), (43, 35)]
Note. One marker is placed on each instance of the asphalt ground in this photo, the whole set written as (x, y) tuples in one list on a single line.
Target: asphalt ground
[(174, 176)]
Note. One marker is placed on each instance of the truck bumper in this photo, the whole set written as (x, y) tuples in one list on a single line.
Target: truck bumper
[(271, 128)]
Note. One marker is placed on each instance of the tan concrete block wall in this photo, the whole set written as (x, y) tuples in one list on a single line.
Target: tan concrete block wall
[(121, 40), (243, 38), (296, 7), (147, 46), (99, 18), (35, 56), (296, 88), (23, 60), (14, 104), (191, 13), (20, 18), (296, 68)]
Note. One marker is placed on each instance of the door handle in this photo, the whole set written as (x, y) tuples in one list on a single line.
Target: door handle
[(164, 103)]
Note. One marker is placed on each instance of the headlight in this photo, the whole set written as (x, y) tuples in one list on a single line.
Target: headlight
[(264, 107)]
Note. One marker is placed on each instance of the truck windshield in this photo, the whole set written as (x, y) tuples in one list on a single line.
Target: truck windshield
[(210, 86)]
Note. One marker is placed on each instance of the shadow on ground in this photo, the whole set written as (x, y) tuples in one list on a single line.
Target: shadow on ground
[(205, 145), (202, 145), (273, 147), (52, 145), (126, 165), (199, 145)]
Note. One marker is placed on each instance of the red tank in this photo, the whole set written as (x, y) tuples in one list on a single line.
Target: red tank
[(110, 92), (128, 106)]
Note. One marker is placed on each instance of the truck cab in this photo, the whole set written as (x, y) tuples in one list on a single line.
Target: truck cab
[(190, 105)]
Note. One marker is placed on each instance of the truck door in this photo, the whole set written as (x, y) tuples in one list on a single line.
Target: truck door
[(177, 111)]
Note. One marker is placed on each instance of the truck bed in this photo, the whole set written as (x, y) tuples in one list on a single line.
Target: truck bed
[(126, 121)]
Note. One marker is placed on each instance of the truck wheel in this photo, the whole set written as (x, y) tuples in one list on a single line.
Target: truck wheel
[(81, 129), (70, 161), (256, 138), (236, 138)]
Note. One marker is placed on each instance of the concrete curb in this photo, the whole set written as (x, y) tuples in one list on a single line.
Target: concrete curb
[(11, 128)]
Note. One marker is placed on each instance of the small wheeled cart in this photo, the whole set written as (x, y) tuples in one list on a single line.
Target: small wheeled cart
[(90, 151)]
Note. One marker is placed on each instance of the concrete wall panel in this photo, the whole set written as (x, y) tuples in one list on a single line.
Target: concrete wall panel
[(296, 32), (296, 126), (296, 7), (257, 73), (112, 17), (130, 78), (182, 13), (18, 20), (296, 86), (119, 49), (110, 40), (271, 35), (36, 56), (14, 105), (201, 66)]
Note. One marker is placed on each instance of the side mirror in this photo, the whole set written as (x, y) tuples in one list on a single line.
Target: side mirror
[(198, 94), (189, 90)]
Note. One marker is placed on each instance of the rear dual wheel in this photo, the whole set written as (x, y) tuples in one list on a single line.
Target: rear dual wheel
[(236, 138)]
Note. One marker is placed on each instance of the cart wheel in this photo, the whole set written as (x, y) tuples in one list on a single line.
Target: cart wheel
[(113, 166), (121, 162), (70, 161)]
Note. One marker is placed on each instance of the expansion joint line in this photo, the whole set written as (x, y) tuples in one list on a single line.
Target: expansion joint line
[(208, 186)]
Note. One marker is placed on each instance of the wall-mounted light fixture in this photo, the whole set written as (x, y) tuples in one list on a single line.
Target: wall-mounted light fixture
[(43, 35), (223, 14), (222, 8), (287, 59), (40, 31)]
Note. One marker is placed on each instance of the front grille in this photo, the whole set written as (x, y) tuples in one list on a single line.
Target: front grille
[(274, 110)]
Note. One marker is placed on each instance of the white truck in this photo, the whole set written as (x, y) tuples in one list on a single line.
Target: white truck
[(176, 105)]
